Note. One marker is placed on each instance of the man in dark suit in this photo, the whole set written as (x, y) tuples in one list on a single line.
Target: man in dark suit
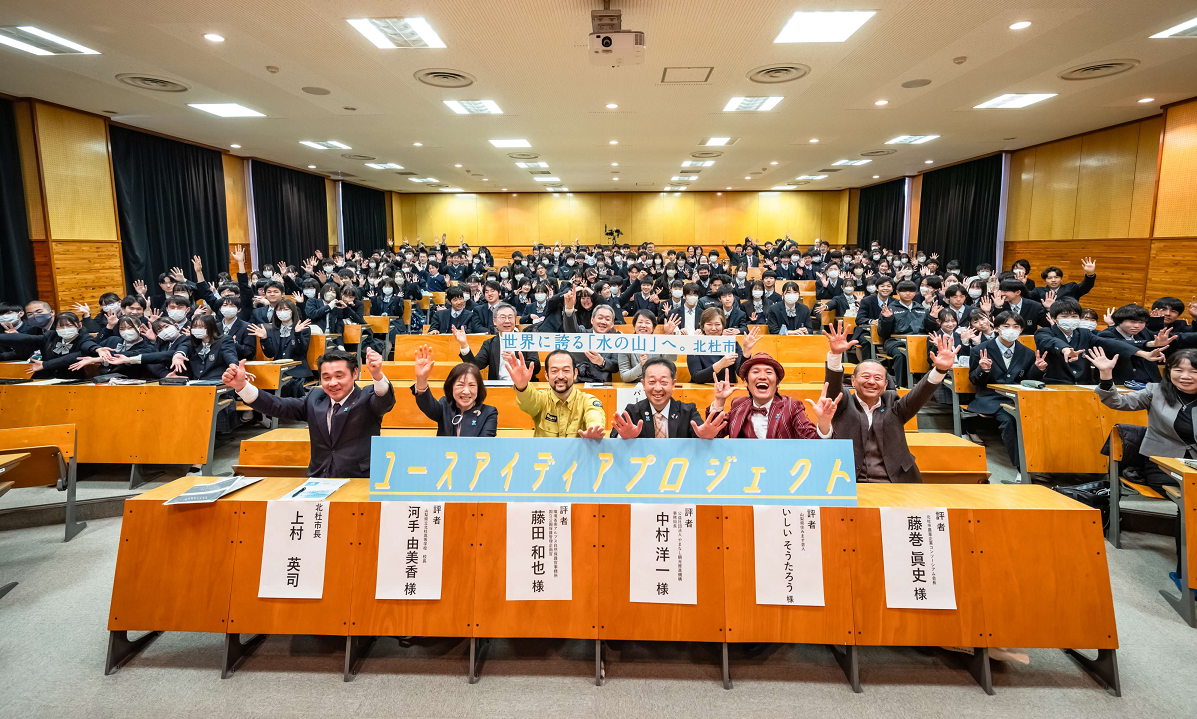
[(490, 356), (454, 316), (1003, 360), (1032, 314), (341, 416), (875, 418), (661, 416)]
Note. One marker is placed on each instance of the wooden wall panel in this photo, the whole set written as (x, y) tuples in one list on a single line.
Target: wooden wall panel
[(30, 172), (646, 219), (742, 216), (409, 226), (1053, 202), (1106, 182), (390, 212), (615, 212), (585, 223), (1146, 168), (1170, 273), (492, 221), (85, 270), (1018, 201), (773, 214), (553, 216), (804, 220), (45, 272), (1121, 266), (853, 214), (832, 223), (236, 202), (76, 174), (1176, 200), (677, 218), (523, 212), (710, 218)]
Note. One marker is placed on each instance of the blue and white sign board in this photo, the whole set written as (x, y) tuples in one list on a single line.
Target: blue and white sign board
[(619, 342), (654, 471)]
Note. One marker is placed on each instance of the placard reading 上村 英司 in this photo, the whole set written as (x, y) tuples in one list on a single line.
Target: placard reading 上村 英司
[(681, 471)]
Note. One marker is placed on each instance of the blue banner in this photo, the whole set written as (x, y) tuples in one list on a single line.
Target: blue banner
[(619, 343), (679, 471)]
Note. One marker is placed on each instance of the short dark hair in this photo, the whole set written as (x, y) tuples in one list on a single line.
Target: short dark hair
[(1002, 317), (454, 293), (553, 354), (790, 285), (692, 288), (645, 313), (1050, 269), (276, 285), (907, 286), (1012, 285), (1065, 304), (933, 282), (180, 300), (1130, 313), (465, 368), (349, 358), (655, 361), (1168, 303), (954, 290)]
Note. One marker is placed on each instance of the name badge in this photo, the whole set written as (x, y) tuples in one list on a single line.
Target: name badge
[(550, 418)]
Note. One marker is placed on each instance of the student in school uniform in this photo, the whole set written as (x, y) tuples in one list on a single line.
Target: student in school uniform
[(1003, 360), (204, 352), (903, 317), (1053, 281), (1129, 324), (688, 317), (112, 354), (388, 301), (659, 415), (1064, 344), (755, 306), (288, 338), (1166, 312), (1032, 314), (734, 317), (235, 328), (790, 316), (61, 346), (455, 315), (272, 293)]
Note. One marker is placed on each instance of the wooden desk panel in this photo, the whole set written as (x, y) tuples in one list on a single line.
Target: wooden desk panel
[(1187, 478), (451, 615), (620, 618), (748, 621), (13, 370), (494, 616)]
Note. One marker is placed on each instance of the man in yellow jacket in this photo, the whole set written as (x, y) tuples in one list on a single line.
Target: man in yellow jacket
[(565, 411)]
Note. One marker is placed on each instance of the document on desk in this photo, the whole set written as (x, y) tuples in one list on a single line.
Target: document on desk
[(204, 493), (294, 546), (315, 489), (540, 552), (411, 548), (788, 546), (916, 549)]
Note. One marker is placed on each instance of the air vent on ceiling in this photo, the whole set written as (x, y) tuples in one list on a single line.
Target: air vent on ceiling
[(706, 154), (523, 155), (540, 172), (444, 77), (774, 74), (438, 186), (150, 82), (339, 174), (686, 75), (916, 83), (644, 184), (688, 172), (406, 173), (801, 182), (877, 153), (1094, 70), (365, 158), (832, 169)]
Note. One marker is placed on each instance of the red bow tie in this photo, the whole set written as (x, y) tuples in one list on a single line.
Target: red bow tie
[(758, 410)]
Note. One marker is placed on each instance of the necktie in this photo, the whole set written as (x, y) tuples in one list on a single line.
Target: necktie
[(660, 429), (335, 408), (1008, 354), (758, 410)]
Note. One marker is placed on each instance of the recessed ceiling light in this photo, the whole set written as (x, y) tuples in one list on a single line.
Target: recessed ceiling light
[(1012, 101), (773, 163), (715, 141), (388, 33), (422, 179), (851, 162), (510, 143), (1147, 99), (729, 188), (876, 177), (235, 147), (225, 109), (683, 178), (614, 164), (417, 144), (457, 165), (526, 165), (547, 179), (613, 142), (697, 163), (748, 177), (1187, 28), (822, 26), (213, 37), (812, 177), (614, 178), (611, 106), (928, 162), (1020, 25), (325, 145), (311, 167), (782, 187), (881, 102), (751, 104), (384, 166), (814, 139), (911, 139), (36, 41), (474, 107), (486, 179), (504, 189), (450, 189)]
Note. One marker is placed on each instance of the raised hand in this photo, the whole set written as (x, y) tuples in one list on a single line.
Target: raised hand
[(147, 331), (596, 432), (945, 352), (459, 334), (886, 311), (750, 340), (178, 363), (197, 264), (712, 427), (986, 304), (570, 298), (824, 409), (139, 287), (967, 334), (1049, 299), (9, 328), (1070, 354), (239, 255), (374, 364), (1089, 266), (111, 318), (1105, 365), (282, 267), (235, 376), (594, 357), (303, 325), (984, 361), (1163, 338), (258, 331), (521, 373), (837, 339), (82, 309), (624, 427), (723, 388), (671, 324), (1041, 361), (1109, 318), (725, 362)]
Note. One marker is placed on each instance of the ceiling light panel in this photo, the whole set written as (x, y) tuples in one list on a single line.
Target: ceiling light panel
[(751, 104), (812, 177), (910, 140), (526, 165), (718, 141), (547, 179), (226, 109), (1188, 28), (389, 33), (36, 41), (510, 143), (422, 179), (384, 166), (474, 107), (325, 145), (697, 163), (783, 187), (822, 26), (1013, 101), (851, 162)]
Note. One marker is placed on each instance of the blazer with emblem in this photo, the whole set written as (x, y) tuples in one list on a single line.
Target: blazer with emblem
[(345, 451), (481, 420), (787, 419), (1022, 366), (681, 414)]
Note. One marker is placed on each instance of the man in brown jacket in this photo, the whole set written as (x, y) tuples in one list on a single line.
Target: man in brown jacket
[(874, 418)]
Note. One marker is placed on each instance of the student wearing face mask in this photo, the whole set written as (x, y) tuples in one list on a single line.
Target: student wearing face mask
[(756, 305), (1066, 342), (688, 316), (827, 283), (1129, 324), (740, 284), (1022, 273), (114, 354), (844, 304), (203, 353), (287, 338), (33, 319), (104, 325), (904, 317), (263, 313), (61, 346), (235, 328), (675, 302), (386, 301), (178, 311), (790, 316)]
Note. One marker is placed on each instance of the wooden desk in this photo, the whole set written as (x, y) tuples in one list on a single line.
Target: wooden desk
[(1029, 568), (13, 370), (1062, 428), (958, 383), (1186, 478), (10, 461)]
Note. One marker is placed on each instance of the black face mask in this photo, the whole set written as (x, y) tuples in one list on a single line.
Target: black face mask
[(38, 320)]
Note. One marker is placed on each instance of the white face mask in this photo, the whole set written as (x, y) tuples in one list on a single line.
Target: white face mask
[(199, 333), (741, 275), (872, 288), (177, 315), (670, 273), (330, 296), (984, 274), (129, 335), (328, 268), (758, 294), (168, 333), (974, 292), (792, 298), (267, 274), (388, 290), (68, 333), (503, 274), (113, 307), (677, 294), (876, 257), (1089, 324), (284, 315), (228, 311), (1069, 324), (309, 292), (1010, 334), (691, 301), (10, 318), (540, 296), (570, 263), (832, 274)]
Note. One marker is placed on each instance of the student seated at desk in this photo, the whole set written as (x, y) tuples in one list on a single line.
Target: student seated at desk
[(705, 369), (1032, 313), (235, 328), (342, 418), (32, 319), (1128, 323), (456, 315), (790, 316), (733, 316), (1053, 282), (286, 339), (661, 416), (1065, 342), (60, 348), (904, 317), (1003, 360), (462, 411), (1166, 312), (203, 354), (388, 302), (114, 353)]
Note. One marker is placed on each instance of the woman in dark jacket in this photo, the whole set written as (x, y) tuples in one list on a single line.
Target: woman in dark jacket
[(206, 353), (461, 412), (707, 369), (61, 347)]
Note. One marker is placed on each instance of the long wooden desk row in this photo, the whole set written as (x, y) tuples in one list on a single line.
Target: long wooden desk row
[(1029, 567), (1185, 496), (941, 457)]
